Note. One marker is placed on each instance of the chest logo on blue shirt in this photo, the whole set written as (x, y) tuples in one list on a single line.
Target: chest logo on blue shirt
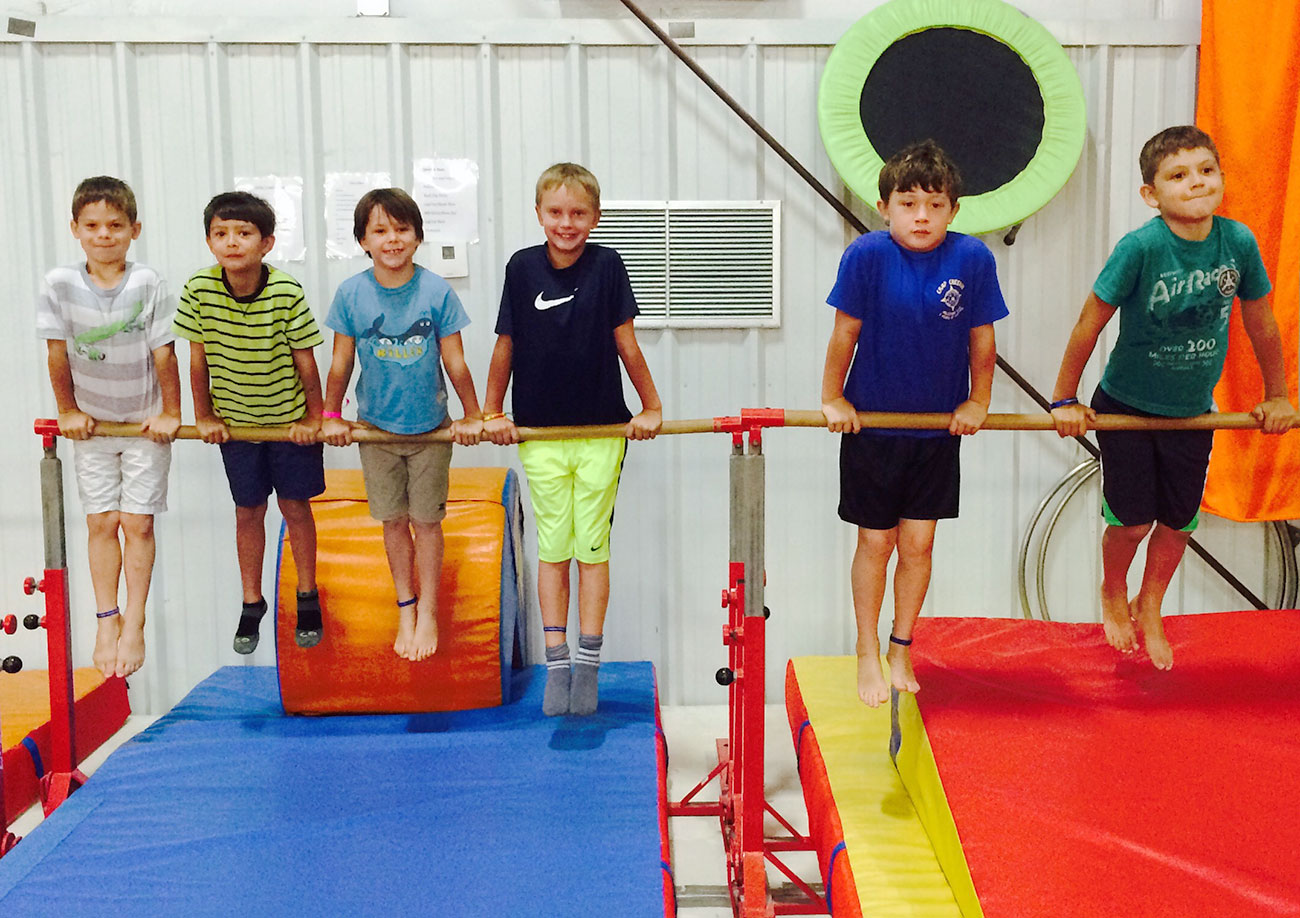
[(542, 303), (950, 295), (1229, 278), (406, 348)]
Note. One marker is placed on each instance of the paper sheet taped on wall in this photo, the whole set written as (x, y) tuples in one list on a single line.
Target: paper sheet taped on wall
[(342, 192), (284, 194), (447, 192)]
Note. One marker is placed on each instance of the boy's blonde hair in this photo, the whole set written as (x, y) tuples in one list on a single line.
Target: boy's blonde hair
[(1167, 143), (112, 191), (569, 174)]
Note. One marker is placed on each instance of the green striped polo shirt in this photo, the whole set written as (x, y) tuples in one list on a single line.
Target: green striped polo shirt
[(249, 343)]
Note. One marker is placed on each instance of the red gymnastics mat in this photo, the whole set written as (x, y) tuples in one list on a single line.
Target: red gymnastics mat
[(1083, 782), (101, 708)]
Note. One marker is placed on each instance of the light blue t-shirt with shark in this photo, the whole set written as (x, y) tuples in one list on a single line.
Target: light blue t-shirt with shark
[(397, 331)]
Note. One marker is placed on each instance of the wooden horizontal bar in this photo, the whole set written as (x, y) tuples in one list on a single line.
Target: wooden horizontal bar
[(275, 434), (1039, 421), (869, 419), (370, 435), (690, 426)]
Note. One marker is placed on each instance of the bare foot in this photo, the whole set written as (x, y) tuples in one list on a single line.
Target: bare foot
[(1153, 635), (1117, 623), (872, 688), (130, 648), (405, 632), (901, 676), (107, 631), (425, 640)]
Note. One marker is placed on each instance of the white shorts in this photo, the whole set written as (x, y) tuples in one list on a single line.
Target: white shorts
[(122, 473)]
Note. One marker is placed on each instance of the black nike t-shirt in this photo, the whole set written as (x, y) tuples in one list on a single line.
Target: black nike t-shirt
[(561, 323)]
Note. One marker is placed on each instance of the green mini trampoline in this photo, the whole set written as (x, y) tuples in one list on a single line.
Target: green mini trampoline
[(988, 84)]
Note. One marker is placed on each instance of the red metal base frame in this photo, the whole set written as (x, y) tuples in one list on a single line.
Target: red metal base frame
[(57, 786)]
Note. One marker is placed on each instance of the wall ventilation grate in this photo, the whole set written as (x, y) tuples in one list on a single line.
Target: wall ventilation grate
[(698, 264)]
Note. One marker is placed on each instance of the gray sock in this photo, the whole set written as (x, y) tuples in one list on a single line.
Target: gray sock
[(555, 701), (582, 696)]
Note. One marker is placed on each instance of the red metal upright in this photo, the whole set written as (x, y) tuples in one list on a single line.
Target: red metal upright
[(742, 804), (62, 776), (7, 838)]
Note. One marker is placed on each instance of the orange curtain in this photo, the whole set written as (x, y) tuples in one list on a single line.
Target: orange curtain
[(1250, 72)]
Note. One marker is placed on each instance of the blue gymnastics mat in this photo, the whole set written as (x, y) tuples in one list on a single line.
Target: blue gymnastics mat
[(226, 806)]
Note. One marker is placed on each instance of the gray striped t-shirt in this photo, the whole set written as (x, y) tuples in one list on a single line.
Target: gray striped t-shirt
[(111, 336)]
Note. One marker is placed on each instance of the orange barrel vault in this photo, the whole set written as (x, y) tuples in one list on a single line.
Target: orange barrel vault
[(481, 625)]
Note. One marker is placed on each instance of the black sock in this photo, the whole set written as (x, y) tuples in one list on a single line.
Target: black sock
[(309, 630), (251, 618), (309, 618)]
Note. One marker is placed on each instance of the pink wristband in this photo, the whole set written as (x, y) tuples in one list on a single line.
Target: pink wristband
[(331, 414)]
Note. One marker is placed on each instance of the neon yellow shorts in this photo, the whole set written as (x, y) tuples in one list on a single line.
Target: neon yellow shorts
[(573, 484)]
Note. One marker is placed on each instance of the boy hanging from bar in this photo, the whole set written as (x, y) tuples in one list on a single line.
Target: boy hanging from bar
[(1173, 281), (565, 324), (914, 314), (111, 353)]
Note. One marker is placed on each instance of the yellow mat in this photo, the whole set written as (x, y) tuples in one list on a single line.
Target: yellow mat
[(919, 773), (893, 863)]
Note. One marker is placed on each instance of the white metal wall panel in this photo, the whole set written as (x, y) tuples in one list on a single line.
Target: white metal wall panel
[(24, 364), (808, 591), (180, 119)]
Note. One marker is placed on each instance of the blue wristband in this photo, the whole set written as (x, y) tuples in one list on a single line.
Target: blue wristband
[(1063, 402)]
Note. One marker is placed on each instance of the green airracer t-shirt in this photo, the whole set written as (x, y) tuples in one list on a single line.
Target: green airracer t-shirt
[(1174, 298)]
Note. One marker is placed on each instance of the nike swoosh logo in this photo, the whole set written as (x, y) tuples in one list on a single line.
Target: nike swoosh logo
[(543, 303)]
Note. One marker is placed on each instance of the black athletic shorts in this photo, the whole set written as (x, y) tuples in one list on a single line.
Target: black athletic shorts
[(885, 479), (1151, 475), (253, 470)]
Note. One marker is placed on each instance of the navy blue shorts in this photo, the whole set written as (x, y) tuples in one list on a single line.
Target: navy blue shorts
[(885, 479), (1151, 475), (255, 469)]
